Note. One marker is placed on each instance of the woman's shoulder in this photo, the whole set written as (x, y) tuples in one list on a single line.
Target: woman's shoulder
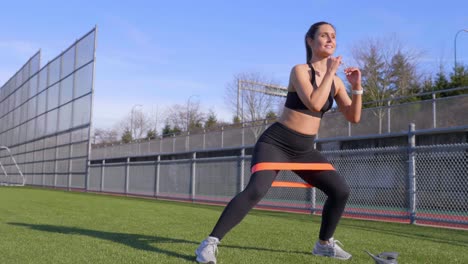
[(299, 68)]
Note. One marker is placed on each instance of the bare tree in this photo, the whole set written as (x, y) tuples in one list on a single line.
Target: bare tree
[(254, 104), (104, 136), (141, 124), (187, 117), (156, 118), (136, 122), (252, 96)]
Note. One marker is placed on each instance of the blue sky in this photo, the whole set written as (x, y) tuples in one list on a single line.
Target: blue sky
[(159, 53)]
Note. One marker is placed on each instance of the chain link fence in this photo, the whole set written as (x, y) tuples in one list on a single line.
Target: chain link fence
[(413, 184)]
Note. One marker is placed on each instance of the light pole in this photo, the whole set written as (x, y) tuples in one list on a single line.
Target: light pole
[(389, 102), (188, 110), (131, 119), (455, 47)]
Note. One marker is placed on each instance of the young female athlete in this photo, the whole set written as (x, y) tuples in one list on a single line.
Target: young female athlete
[(289, 143)]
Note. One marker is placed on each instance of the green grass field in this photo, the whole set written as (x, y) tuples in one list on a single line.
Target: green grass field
[(51, 226)]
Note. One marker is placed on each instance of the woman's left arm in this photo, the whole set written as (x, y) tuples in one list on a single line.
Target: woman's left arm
[(351, 108)]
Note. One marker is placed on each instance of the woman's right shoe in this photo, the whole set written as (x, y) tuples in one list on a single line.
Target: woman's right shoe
[(332, 250), (206, 252)]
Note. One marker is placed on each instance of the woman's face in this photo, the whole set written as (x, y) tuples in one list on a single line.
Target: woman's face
[(324, 42)]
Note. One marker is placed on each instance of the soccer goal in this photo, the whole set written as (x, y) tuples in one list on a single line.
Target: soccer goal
[(10, 174)]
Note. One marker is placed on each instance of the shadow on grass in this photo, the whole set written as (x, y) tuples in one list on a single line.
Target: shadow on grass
[(137, 241), (432, 234)]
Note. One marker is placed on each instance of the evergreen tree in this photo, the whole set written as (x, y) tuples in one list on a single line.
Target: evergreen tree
[(212, 121), (271, 115), (151, 134), (236, 120), (441, 82), (373, 81), (459, 78), (403, 78), (127, 137)]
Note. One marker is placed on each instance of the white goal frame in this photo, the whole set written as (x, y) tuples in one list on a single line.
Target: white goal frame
[(11, 183)]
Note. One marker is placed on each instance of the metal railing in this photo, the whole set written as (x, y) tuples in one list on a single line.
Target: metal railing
[(414, 184), (429, 114)]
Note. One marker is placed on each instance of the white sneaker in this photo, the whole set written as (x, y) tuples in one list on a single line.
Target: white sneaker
[(332, 249), (206, 252)]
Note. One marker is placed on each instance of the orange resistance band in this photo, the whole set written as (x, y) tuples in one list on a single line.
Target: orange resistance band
[(291, 184), (291, 166)]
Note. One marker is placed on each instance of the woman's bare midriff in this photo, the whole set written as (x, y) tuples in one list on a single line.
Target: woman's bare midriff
[(299, 122)]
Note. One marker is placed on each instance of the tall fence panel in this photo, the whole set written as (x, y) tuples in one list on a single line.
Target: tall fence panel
[(377, 178), (141, 179), (174, 179), (442, 184), (45, 116), (216, 180)]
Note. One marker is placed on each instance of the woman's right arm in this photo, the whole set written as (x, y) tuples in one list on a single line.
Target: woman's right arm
[(313, 99)]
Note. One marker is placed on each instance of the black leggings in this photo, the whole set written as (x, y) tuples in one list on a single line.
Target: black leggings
[(280, 145), (328, 181)]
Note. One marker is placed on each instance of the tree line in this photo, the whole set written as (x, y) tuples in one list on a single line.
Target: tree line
[(389, 70)]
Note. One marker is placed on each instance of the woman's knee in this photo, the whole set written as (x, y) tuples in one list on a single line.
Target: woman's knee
[(343, 192), (256, 193), (259, 184), (339, 189)]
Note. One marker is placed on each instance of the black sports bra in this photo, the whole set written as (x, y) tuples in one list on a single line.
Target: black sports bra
[(295, 103)]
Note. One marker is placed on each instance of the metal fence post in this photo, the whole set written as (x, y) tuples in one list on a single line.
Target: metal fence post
[(70, 167), (173, 142), (156, 181), (389, 117), (127, 174), (204, 138), (160, 144), (434, 111), (412, 173), (103, 172), (313, 195), (222, 137), (88, 164), (241, 168), (193, 175), (187, 141), (243, 135)]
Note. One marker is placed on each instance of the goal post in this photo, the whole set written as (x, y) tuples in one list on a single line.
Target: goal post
[(10, 172)]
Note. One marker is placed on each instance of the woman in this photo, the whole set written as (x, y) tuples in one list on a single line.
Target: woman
[(288, 143)]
